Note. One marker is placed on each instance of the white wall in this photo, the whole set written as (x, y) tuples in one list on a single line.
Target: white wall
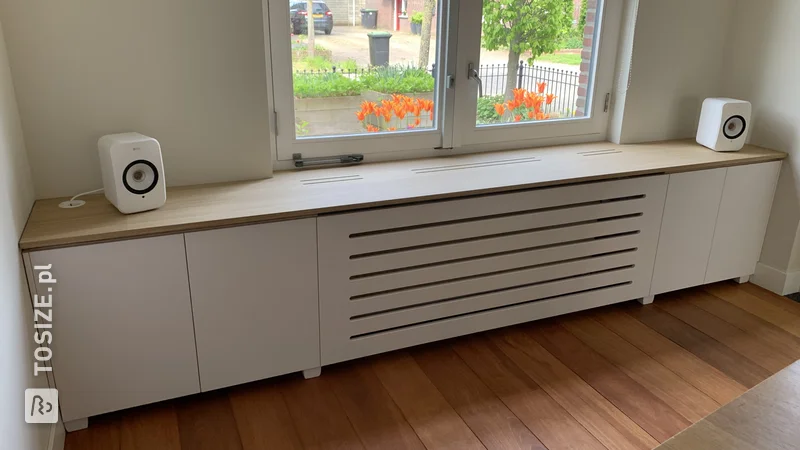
[(16, 334), (677, 62), (762, 66), (190, 73)]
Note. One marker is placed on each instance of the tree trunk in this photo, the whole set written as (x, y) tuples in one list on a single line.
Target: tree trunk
[(425, 35), (513, 70), (310, 27)]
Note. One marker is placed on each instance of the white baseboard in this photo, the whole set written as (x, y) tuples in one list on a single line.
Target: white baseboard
[(775, 280), (57, 436)]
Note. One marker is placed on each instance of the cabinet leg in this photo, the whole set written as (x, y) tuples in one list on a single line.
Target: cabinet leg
[(743, 280), (647, 300), (75, 425), (312, 373)]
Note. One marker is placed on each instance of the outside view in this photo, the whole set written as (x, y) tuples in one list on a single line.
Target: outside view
[(368, 65)]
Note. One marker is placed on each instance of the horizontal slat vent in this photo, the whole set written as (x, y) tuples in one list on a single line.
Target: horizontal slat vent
[(435, 269), (447, 319), (327, 180), (610, 151), (478, 165)]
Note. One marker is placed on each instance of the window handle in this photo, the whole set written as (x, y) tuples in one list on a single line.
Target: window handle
[(472, 73)]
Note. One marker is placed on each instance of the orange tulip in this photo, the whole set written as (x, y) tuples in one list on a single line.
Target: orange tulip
[(530, 115), (498, 107), (360, 115), (541, 87), (517, 118), (550, 98), (417, 122), (392, 129), (519, 94)]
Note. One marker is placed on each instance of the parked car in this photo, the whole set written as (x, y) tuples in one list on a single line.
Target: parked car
[(323, 17)]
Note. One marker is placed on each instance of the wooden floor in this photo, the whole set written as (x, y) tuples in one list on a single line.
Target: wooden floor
[(621, 377)]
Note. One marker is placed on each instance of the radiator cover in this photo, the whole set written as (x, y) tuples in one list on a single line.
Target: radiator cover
[(396, 277)]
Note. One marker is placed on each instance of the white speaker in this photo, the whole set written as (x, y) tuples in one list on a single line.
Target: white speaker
[(133, 172), (724, 124)]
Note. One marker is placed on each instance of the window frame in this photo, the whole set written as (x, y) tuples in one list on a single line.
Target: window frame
[(455, 130)]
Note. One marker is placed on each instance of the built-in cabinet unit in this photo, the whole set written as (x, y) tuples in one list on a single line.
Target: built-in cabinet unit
[(742, 221), (154, 318), (254, 295), (122, 324), (714, 225)]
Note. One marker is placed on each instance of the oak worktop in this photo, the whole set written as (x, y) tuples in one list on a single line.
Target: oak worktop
[(296, 194)]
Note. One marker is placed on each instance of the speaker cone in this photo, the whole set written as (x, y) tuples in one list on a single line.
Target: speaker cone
[(140, 177), (734, 127)]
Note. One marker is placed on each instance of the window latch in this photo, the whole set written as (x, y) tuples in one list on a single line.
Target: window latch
[(301, 162), (472, 74)]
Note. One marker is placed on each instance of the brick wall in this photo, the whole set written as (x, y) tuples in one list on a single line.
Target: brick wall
[(586, 58), (343, 11)]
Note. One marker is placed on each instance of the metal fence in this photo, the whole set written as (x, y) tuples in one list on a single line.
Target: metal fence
[(562, 83)]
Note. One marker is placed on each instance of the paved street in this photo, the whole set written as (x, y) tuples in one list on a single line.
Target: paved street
[(347, 42)]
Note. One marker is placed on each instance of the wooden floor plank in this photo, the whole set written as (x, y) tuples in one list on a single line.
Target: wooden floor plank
[(150, 427), (704, 347), (673, 390), (608, 424), (320, 421), (206, 422), (262, 418), (633, 399), (695, 371), (486, 415), (732, 337), (739, 297), (433, 419), (781, 340), (372, 412), (548, 420), (102, 434), (772, 298)]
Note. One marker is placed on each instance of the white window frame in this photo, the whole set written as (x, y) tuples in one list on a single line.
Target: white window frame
[(593, 126), (455, 128), (366, 143)]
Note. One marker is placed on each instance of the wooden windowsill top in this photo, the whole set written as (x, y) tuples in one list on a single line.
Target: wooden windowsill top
[(307, 193)]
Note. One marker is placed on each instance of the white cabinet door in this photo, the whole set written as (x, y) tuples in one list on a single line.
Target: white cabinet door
[(687, 230), (122, 324), (254, 295), (742, 220)]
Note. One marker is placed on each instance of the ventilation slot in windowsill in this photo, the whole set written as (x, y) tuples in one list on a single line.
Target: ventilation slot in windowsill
[(501, 162), (327, 180)]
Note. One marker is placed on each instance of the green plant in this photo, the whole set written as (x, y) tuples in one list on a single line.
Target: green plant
[(324, 85), (572, 59), (486, 110), (417, 17), (571, 41), (398, 80), (348, 65), (317, 63), (300, 52), (301, 128)]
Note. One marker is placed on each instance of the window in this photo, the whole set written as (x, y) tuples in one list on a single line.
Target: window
[(532, 73)]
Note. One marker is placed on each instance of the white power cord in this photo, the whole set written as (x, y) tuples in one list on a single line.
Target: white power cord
[(75, 203)]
